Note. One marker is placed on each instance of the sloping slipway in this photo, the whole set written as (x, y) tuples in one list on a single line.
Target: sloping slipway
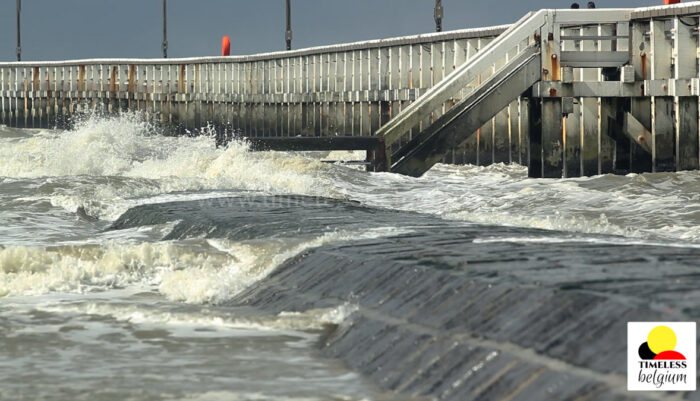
[(457, 311)]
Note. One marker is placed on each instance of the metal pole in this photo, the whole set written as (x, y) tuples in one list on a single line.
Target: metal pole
[(288, 34), (19, 37), (438, 15), (165, 29)]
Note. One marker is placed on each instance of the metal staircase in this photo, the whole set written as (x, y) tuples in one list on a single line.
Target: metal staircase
[(450, 112)]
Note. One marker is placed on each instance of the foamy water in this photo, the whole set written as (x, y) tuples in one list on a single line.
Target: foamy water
[(117, 294), (129, 164)]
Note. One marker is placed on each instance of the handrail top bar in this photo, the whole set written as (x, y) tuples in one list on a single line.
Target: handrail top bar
[(471, 33), (692, 7), (592, 16)]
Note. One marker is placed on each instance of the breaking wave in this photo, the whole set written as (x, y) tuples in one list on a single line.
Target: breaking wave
[(196, 271), (124, 163), (131, 159)]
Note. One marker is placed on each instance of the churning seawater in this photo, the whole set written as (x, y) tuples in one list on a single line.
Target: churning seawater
[(90, 311)]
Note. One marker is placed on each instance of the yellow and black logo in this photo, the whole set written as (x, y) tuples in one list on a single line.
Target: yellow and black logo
[(660, 345)]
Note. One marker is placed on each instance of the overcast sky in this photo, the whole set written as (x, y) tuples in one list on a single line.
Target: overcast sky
[(69, 29)]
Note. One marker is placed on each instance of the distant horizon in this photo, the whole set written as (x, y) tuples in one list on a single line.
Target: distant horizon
[(88, 30)]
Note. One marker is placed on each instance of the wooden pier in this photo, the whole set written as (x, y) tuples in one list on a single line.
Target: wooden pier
[(565, 92)]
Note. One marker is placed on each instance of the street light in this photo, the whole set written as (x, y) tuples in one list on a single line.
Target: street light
[(288, 34), (438, 15), (165, 29), (19, 37)]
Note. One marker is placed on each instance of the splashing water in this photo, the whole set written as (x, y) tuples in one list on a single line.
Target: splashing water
[(115, 301)]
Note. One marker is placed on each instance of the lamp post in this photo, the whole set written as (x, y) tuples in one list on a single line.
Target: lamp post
[(288, 33), (165, 29), (438, 15), (19, 37)]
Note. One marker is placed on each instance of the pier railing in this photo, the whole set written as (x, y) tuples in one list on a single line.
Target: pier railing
[(617, 92), (350, 89)]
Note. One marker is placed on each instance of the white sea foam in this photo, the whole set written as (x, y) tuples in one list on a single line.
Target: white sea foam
[(131, 161), (36, 270), (231, 396), (253, 262), (181, 323), (128, 165), (209, 271), (653, 207)]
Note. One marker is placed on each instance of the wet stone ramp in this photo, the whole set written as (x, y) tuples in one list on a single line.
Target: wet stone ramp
[(468, 312), (443, 317)]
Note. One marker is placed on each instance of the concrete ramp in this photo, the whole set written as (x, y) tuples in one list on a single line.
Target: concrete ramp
[(421, 134)]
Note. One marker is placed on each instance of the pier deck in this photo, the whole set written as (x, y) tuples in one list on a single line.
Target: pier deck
[(566, 92)]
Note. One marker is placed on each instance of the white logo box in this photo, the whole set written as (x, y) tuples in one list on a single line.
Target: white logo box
[(656, 375)]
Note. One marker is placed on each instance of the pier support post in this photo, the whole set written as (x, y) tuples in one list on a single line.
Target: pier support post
[(589, 111), (572, 121), (622, 141), (640, 107), (685, 67), (663, 133), (534, 121), (551, 129), (608, 106), (552, 146), (523, 132)]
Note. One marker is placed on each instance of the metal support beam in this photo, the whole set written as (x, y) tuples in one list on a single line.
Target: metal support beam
[(594, 59), (288, 33), (165, 29), (637, 132), (667, 87), (438, 15), (19, 31)]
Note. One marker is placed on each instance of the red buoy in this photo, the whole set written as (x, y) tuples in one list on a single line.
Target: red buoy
[(672, 1), (225, 46)]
